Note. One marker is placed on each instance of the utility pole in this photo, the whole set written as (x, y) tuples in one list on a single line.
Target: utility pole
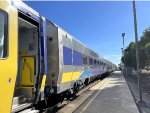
[(137, 52)]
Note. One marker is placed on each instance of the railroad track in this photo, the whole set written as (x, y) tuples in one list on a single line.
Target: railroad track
[(76, 101)]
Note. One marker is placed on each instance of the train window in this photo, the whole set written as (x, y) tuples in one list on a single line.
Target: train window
[(94, 62), (3, 34), (98, 63), (91, 61), (84, 59)]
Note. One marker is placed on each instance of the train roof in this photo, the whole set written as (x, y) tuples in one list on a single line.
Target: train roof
[(21, 6)]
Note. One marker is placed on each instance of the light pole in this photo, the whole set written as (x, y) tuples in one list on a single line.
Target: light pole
[(123, 35), (137, 52), (122, 65), (122, 52)]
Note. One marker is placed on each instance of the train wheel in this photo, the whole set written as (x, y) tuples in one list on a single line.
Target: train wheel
[(76, 88), (87, 81)]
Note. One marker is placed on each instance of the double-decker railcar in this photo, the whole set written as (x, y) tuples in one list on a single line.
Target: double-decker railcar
[(40, 63), (70, 64)]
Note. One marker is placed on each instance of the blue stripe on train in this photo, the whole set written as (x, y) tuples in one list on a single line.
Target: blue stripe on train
[(91, 72), (86, 73)]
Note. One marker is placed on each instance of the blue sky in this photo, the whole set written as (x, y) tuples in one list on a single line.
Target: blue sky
[(97, 24)]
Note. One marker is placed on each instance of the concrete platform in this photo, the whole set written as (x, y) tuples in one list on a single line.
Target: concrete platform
[(113, 97)]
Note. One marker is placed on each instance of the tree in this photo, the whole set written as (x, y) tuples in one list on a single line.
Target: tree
[(144, 48), (147, 50), (129, 57)]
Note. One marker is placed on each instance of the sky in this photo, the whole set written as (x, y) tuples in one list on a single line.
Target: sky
[(98, 24)]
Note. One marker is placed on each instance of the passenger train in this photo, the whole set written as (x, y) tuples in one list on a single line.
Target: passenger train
[(40, 63)]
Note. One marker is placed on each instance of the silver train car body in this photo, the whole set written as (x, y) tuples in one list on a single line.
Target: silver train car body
[(69, 62)]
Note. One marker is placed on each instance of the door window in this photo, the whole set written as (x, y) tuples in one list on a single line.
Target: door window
[(3, 34)]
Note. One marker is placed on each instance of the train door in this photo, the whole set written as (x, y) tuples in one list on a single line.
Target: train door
[(28, 62), (8, 54)]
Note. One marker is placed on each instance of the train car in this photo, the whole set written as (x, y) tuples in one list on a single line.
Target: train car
[(21, 55), (41, 64), (70, 64)]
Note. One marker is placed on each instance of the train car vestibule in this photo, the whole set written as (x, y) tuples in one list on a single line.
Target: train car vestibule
[(24, 93)]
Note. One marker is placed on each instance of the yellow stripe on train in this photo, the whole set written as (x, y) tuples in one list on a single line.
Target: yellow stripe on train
[(69, 76), (43, 82)]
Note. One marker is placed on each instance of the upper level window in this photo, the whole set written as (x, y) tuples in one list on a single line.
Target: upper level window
[(91, 61), (3, 34), (98, 63), (94, 62), (84, 59)]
